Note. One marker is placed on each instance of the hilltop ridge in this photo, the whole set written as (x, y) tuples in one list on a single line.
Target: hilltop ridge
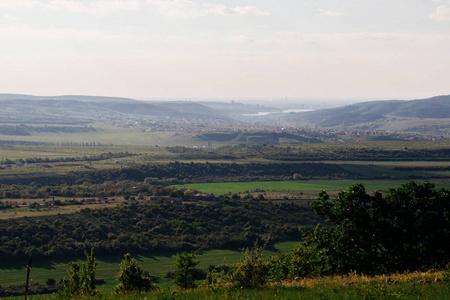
[(400, 115)]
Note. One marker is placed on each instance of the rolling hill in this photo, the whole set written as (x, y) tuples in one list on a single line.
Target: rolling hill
[(102, 99), (380, 115), (19, 108)]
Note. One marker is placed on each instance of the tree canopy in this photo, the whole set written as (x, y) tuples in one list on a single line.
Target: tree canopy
[(406, 229)]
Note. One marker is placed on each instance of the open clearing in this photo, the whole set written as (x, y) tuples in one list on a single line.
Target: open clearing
[(157, 264), (303, 185)]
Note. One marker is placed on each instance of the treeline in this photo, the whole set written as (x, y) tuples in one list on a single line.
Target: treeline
[(85, 158), (403, 169), (64, 144), (153, 226), (26, 130), (178, 173), (150, 179), (294, 153), (23, 143), (242, 172), (83, 144), (106, 189)]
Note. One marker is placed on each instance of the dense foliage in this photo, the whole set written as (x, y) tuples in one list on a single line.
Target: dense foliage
[(81, 279), (106, 189), (131, 277), (241, 172), (84, 158), (153, 226), (406, 229), (252, 270), (348, 152), (176, 172), (186, 264)]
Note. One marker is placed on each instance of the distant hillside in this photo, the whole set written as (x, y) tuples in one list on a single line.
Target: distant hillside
[(375, 114), (257, 138), (9, 97), (433, 108), (237, 110), (75, 109)]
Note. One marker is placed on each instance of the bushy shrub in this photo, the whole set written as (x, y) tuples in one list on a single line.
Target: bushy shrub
[(131, 277), (81, 280), (252, 270)]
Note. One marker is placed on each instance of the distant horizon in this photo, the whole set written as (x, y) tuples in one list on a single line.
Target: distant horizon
[(268, 101), (235, 49)]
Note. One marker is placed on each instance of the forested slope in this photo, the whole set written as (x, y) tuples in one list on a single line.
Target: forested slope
[(153, 226)]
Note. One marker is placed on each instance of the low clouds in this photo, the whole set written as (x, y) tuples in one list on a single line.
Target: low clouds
[(188, 8), (238, 10), (19, 4), (97, 7), (177, 8), (442, 13), (329, 13), (102, 7), (171, 8)]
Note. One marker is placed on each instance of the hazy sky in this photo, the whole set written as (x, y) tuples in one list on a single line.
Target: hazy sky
[(226, 49)]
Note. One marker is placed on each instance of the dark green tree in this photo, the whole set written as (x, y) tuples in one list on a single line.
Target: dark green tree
[(131, 277), (353, 243), (72, 284), (252, 270), (186, 264), (88, 277), (415, 228), (406, 229), (81, 280)]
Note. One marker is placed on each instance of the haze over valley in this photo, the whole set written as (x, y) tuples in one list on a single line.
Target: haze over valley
[(239, 149), (66, 119)]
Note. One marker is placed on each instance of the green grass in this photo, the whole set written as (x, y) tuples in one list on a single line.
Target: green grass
[(355, 287), (111, 135), (156, 264), (300, 185), (23, 152)]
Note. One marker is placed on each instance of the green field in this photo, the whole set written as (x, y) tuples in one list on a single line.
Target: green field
[(108, 266), (111, 135), (303, 185)]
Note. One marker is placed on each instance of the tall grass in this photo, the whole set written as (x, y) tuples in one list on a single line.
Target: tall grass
[(415, 285)]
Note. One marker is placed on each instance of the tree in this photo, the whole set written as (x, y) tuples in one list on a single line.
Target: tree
[(131, 277), (72, 284), (408, 228), (353, 243), (186, 264), (88, 277), (416, 226), (81, 283), (252, 270)]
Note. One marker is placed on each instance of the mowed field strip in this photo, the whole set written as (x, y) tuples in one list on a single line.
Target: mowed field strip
[(303, 185)]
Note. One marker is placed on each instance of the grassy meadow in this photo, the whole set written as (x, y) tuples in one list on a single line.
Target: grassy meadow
[(157, 264), (297, 185), (107, 134), (348, 287), (414, 285)]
